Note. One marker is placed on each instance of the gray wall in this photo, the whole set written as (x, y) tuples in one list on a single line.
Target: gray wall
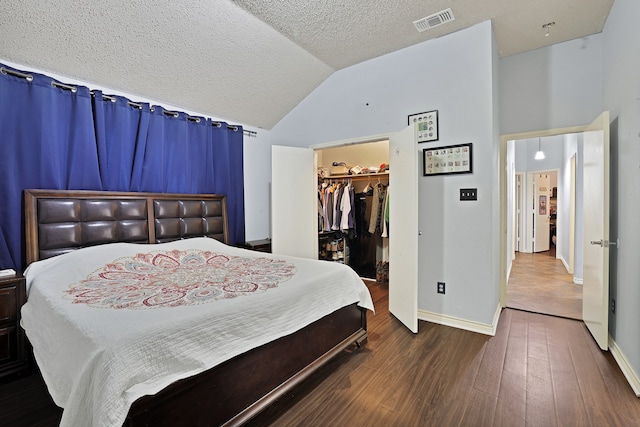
[(570, 84), (553, 87), (459, 243), (552, 146), (622, 99)]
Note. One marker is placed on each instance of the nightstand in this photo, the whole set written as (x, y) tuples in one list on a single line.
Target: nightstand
[(13, 350), (263, 245)]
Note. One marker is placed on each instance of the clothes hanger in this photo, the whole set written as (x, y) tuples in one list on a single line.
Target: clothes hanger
[(367, 188)]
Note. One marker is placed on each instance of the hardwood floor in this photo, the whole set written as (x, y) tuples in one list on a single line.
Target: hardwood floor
[(540, 283), (537, 371)]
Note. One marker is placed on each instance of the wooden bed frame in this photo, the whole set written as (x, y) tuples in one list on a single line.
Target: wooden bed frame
[(59, 221)]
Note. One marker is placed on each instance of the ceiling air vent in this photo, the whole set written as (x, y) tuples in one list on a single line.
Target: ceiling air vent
[(434, 20)]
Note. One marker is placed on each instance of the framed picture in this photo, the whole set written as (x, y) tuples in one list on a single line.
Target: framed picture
[(448, 160), (425, 125), (543, 205)]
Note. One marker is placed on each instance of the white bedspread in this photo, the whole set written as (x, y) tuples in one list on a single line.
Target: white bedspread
[(99, 350)]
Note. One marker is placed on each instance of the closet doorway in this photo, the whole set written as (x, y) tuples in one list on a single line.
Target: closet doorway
[(294, 221), (363, 244)]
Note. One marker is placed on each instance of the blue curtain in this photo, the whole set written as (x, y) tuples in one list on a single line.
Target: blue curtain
[(121, 129), (56, 138), (178, 155), (48, 141), (230, 177)]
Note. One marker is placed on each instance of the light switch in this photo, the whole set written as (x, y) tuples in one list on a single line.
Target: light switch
[(468, 194)]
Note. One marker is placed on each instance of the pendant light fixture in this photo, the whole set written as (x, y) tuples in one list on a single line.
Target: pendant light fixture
[(539, 154)]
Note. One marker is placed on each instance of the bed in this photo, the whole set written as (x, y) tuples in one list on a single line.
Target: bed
[(78, 240)]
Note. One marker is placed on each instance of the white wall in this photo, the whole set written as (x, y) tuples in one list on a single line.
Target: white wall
[(257, 186), (459, 243), (622, 99), (256, 150)]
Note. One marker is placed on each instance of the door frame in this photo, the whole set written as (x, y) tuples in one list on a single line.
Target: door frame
[(503, 192), (529, 223), (572, 215), (403, 270), (343, 143), (519, 199)]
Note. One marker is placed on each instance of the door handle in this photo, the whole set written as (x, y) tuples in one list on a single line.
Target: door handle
[(597, 242)]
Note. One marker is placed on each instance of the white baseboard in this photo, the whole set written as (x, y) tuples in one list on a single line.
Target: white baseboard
[(576, 280), (467, 325), (625, 367)]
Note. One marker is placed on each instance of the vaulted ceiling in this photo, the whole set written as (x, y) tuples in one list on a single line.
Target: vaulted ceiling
[(253, 61)]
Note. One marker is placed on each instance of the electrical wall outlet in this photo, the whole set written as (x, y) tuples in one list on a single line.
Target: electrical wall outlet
[(441, 287)]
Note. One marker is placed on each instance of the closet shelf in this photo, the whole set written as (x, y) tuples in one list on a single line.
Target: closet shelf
[(359, 177)]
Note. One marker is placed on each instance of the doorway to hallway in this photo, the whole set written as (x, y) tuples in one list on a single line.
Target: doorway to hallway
[(539, 283)]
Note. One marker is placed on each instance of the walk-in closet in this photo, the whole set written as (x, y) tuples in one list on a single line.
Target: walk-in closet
[(353, 208)]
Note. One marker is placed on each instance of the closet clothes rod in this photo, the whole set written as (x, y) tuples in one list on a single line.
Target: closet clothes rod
[(358, 177)]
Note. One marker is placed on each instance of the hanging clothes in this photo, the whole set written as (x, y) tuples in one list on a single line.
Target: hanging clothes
[(352, 213), (321, 217), (337, 213), (327, 202), (377, 208), (385, 230), (385, 215), (363, 244), (345, 208)]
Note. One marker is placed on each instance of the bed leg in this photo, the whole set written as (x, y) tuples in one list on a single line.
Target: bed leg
[(361, 341)]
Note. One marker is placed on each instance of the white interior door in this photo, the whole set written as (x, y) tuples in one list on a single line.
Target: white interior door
[(294, 204), (403, 228), (541, 212), (572, 215), (519, 213), (595, 293)]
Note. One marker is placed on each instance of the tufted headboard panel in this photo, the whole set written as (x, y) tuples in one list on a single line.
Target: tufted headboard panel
[(180, 219), (60, 221)]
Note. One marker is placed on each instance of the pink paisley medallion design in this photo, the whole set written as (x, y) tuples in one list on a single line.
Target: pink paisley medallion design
[(177, 278)]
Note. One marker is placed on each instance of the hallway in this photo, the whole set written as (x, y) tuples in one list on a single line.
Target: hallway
[(540, 283)]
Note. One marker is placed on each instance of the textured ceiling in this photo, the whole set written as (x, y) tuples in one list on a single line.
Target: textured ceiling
[(343, 33), (253, 61)]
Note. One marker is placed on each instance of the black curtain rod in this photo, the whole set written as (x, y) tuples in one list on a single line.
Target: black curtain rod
[(112, 98)]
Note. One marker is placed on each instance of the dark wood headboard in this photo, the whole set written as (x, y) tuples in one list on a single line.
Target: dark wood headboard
[(60, 221)]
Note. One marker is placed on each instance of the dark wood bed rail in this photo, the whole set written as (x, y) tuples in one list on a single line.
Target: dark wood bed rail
[(59, 221)]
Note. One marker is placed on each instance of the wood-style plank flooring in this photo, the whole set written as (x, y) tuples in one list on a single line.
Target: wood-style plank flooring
[(539, 282), (537, 371)]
